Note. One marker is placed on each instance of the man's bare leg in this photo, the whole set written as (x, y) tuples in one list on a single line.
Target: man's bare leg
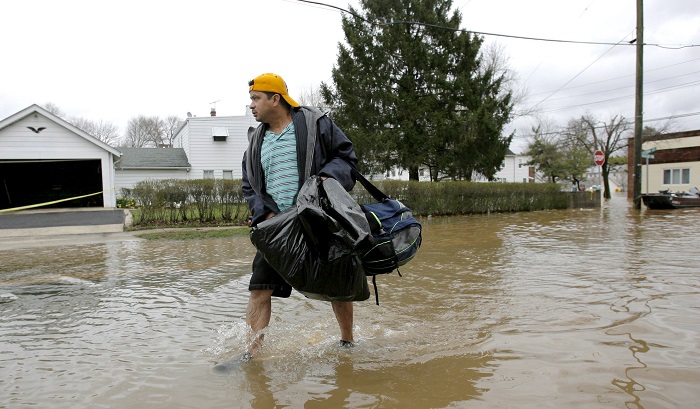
[(258, 317), (343, 313)]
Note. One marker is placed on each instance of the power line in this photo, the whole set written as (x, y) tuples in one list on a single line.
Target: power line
[(417, 23), (686, 85), (576, 76), (612, 44), (620, 77), (620, 88), (663, 118)]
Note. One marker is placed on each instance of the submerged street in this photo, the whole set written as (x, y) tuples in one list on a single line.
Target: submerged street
[(576, 308)]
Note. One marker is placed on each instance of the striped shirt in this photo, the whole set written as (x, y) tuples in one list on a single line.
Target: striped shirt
[(279, 162)]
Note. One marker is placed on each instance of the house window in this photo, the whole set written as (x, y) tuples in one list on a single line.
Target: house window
[(677, 176), (219, 133), (208, 174), (520, 163), (228, 175)]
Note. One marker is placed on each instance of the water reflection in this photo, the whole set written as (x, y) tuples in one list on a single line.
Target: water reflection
[(629, 385), (580, 308)]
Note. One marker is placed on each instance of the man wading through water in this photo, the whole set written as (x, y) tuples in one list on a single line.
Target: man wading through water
[(273, 173)]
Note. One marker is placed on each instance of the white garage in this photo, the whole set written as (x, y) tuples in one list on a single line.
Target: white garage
[(46, 161)]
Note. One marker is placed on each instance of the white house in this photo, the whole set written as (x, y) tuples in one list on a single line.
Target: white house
[(675, 164), (44, 159), (137, 164), (203, 147), (515, 168), (215, 145)]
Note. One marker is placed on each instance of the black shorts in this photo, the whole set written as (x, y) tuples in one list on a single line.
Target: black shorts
[(266, 278)]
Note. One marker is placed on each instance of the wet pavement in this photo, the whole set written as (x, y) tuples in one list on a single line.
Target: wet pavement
[(53, 222)]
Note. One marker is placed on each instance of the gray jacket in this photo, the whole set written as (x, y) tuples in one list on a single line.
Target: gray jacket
[(322, 149)]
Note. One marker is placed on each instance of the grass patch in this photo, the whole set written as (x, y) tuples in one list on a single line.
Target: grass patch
[(196, 234)]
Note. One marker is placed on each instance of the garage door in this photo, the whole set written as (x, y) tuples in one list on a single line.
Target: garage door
[(24, 183)]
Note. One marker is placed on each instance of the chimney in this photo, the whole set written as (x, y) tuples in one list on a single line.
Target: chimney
[(213, 112)]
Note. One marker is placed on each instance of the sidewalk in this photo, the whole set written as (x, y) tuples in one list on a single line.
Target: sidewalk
[(72, 227), (39, 228), (22, 242)]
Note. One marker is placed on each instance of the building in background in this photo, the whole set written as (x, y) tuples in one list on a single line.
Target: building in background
[(515, 169), (675, 165), (137, 164), (214, 145), (46, 160)]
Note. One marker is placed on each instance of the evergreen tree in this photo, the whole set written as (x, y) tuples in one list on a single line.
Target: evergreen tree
[(410, 90)]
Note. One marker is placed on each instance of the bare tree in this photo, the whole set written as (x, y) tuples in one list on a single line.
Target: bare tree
[(172, 122), (54, 109), (145, 132), (312, 97), (609, 137), (495, 60), (106, 132)]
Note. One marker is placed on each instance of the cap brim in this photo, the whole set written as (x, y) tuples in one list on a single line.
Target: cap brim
[(290, 101)]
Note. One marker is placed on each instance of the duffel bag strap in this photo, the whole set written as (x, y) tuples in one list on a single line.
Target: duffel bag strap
[(373, 190), (374, 283), (376, 293)]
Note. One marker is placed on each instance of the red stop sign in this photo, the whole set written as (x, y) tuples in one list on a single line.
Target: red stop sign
[(599, 157)]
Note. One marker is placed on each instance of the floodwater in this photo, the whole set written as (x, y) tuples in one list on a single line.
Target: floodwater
[(555, 309)]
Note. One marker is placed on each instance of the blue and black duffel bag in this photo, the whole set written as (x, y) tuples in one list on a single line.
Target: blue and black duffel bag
[(396, 234)]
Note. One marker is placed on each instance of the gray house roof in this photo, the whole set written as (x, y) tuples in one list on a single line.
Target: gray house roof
[(152, 158)]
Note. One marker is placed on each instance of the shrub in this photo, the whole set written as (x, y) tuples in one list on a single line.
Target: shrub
[(210, 201)]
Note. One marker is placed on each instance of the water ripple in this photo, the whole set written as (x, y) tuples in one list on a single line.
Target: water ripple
[(574, 307)]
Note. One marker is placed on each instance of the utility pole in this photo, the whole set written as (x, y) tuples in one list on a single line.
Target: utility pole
[(638, 109)]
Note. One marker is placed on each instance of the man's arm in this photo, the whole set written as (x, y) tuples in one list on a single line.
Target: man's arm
[(256, 204), (341, 158)]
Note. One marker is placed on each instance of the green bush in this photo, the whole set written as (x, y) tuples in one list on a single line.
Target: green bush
[(452, 198), (178, 201), (209, 201), (229, 196)]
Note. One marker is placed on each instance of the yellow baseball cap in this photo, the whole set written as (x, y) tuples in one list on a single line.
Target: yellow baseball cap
[(272, 83)]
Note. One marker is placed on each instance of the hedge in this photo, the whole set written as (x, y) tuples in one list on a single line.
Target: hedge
[(174, 201)]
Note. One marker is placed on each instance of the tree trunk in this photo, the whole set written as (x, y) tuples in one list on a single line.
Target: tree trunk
[(606, 184)]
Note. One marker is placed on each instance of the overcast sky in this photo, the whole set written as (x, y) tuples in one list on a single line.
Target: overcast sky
[(112, 61)]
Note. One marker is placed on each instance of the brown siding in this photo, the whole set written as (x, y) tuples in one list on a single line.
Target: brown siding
[(691, 154)]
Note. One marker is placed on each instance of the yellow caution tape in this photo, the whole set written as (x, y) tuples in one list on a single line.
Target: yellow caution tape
[(47, 203)]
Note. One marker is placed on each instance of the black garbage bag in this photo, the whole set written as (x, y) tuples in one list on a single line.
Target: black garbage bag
[(315, 245)]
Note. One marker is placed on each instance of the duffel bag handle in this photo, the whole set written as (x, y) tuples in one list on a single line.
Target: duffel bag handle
[(373, 190)]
